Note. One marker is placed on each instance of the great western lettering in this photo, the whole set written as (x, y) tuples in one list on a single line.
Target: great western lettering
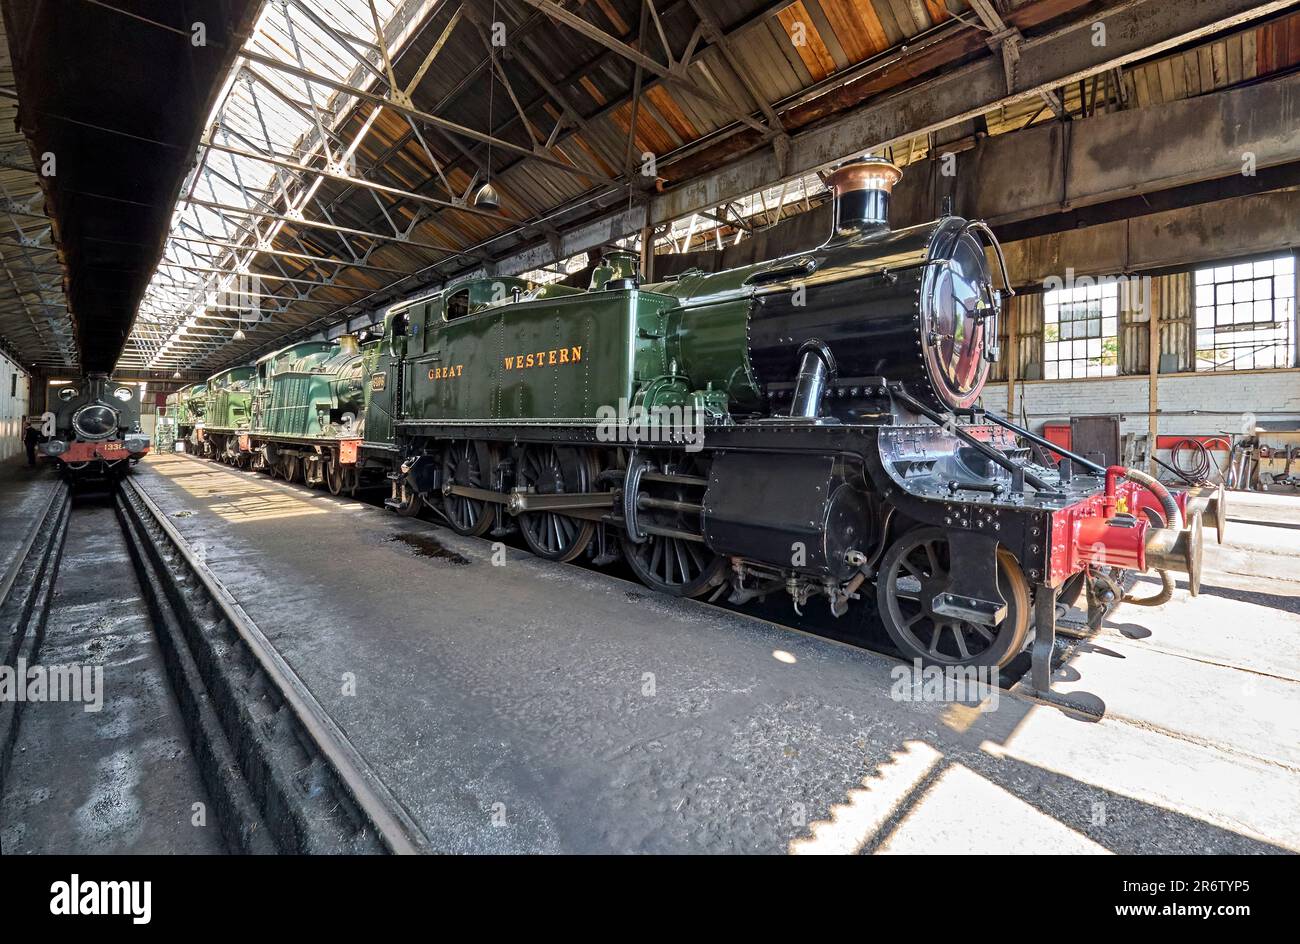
[(552, 358)]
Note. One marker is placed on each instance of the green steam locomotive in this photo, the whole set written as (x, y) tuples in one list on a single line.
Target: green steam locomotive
[(298, 414), (185, 409), (806, 426)]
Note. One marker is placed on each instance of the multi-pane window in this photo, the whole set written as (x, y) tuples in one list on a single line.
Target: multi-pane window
[(1080, 332), (1245, 315)]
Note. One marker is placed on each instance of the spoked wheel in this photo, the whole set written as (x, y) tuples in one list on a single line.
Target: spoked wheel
[(334, 476), (677, 566), (551, 470), (913, 572), (461, 466)]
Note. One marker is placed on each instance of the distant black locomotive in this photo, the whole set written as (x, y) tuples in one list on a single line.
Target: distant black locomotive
[(96, 429)]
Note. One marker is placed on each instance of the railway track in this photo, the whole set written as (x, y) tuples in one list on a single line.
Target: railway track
[(275, 772)]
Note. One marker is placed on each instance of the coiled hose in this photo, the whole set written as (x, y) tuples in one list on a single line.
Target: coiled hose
[(1202, 467), (1174, 518)]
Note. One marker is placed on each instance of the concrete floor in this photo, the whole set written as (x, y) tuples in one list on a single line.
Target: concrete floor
[(24, 495), (536, 707)]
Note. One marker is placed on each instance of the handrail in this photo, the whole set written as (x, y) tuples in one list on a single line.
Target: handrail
[(1045, 443)]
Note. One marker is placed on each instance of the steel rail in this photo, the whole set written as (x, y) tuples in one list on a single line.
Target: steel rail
[(57, 494)]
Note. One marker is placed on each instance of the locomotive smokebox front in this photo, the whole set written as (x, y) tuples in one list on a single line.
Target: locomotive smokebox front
[(95, 421), (915, 306)]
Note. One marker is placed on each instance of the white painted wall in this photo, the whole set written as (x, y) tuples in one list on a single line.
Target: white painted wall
[(14, 387), (1190, 404)]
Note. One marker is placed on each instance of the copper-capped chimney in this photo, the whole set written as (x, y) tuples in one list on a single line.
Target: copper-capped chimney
[(862, 188), (348, 344)]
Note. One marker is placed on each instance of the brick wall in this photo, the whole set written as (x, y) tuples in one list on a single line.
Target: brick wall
[(1190, 404)]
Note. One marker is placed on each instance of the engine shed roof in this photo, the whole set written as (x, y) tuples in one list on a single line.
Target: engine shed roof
[(111, 116), (332, 170)]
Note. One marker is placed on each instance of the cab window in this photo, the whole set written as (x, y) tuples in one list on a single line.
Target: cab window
[(458, 304)]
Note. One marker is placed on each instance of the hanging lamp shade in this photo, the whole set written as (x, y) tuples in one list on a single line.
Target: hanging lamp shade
[(487, 197)]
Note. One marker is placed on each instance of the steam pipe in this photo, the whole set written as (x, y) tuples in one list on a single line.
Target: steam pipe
[(1173, 514), (816, 370)]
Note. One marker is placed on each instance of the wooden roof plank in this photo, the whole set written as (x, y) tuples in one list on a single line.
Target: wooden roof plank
[(788, 52), (806, 40), (885, 14), (829, 37), (667, 106), (1233, 47), (1219, 63)]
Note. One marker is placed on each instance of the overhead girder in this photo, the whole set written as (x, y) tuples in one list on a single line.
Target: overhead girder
[(1135, 29)]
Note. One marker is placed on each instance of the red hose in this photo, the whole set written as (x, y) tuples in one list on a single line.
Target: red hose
[(1173, 516)]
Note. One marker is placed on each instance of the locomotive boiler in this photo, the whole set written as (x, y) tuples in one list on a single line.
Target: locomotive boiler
[(96, 429)]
